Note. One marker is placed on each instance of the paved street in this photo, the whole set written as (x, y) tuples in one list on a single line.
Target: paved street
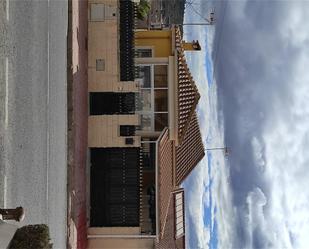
[(33, 145)]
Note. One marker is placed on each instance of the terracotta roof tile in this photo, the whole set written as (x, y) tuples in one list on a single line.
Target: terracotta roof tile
[(190, 152), (178, 162), (166, 157), (168, 241), (184, 157), (188, 95)]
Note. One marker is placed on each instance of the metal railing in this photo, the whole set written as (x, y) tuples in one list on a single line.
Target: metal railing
[(127, 24)]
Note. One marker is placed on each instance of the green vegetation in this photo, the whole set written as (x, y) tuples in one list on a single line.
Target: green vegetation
[(30, 237), (143, 9)]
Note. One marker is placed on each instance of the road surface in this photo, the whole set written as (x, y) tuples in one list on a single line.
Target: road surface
[(33, 111)]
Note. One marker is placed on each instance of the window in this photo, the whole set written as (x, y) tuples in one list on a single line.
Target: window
[(100, 65), (143, 52), (146, 122), (160, 76), (145, 100), (127, 130), (144, 73), (149, 154), (161, 121), (179, 215), (153, 98), (160, 96)]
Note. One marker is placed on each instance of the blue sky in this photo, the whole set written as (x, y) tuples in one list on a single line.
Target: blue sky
[(257, 105), (201, 223)]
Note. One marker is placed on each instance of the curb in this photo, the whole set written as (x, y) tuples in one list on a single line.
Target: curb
[(70, 128)]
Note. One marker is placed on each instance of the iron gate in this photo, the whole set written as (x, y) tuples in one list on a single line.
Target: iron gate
[(114, 196), (112, 103)]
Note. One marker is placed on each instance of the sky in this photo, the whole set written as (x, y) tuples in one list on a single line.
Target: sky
[(253, 76)]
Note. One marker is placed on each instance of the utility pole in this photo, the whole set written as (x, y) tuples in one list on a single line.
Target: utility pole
[(208, 21), (225, 149), (192, 24)]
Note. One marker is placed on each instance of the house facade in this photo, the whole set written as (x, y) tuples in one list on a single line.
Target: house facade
[(143, 132)]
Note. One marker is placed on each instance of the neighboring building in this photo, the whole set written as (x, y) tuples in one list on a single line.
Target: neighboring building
[(143, 132)]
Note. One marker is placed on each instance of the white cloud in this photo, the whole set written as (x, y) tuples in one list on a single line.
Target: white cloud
[(256, 202), (222, 199), (221, 193), (195, 200), (287, 170), (271, 93), (287, 143), (258, 153), (196, 195)]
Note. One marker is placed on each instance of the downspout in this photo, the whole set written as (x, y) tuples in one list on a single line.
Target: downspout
[(157, 184), (120, 236), (157, 188)]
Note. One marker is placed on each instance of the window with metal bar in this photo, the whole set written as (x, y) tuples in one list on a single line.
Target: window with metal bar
[(179, 213), (143, 52), (127, 130)]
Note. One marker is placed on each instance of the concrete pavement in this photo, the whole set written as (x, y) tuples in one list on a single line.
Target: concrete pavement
[(7, 232)]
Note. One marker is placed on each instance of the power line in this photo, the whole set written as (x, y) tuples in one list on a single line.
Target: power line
[(196, 12)]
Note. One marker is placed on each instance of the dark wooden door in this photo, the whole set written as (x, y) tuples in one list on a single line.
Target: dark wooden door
[(114, 187), (112, 103)]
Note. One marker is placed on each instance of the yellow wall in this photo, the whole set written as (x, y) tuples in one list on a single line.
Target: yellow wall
[(160, 40), (109, 2), (103, 44), (120, 243), (103, 130), (114, 230)]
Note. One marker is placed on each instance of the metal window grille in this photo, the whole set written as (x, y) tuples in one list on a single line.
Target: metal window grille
[(127, 130)]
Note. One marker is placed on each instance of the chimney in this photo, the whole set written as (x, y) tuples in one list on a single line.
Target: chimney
[(191, 46)]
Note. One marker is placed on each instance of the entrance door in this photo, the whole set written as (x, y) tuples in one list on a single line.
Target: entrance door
[(112, 103), (114, 187)]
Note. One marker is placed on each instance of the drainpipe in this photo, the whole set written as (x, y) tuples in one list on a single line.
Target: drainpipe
[(157, 189), (119, 236)]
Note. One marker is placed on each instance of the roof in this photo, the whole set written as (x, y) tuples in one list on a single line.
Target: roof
[(188, 95), (166, 185), (168, 241), (176, 162), (190, 152)]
